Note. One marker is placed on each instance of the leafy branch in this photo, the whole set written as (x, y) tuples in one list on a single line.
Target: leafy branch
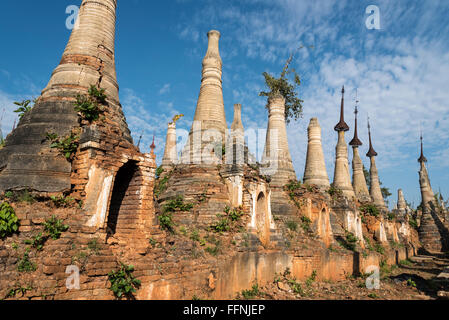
[(89, 106), (286, 88)]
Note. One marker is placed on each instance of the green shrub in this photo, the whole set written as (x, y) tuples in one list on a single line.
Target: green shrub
[(295, 286), (406, 263), (370, 209), (61, 201), (37, 242), (379, 248), (123, 282), (194, 235), (55, 227), (25, 264), (12, 293), (177, 204), (89, 106), (67, 145), (159, 172), (9, 223), (334, 192), (391, 216), (166, 221), (222, 225), (24, 108), (253, 293), (292, 225), (411, 283), (234, 214), (412, 222), (293, 185), (305, 223), (161, 186)]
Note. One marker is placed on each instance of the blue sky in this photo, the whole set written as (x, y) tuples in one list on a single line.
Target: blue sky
[(401, 71)]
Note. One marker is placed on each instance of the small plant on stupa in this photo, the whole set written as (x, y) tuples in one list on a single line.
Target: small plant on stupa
[(25, 264), (370, 210), (287, 89), (23, 108), (66, 145), (123, 282), (89, 106), (9, 223)]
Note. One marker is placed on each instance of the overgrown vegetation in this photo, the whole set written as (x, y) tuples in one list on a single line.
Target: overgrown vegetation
[(123, 282), (12, 293), (253, 293), (370, 210), (25, 264), (287, 89), (171, 206), (20, 196), (161, 184), (53, 228), (89, 106), (292, 225), (9, 223), (23, 108), (159, 172), (228, 220), (62, 201), (334, 192), (412, 222), (349, 242), (67, 146), (306, 223)]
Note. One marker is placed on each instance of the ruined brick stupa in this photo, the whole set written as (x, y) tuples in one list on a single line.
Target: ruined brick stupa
[(342, 179), (433, 233), (276, 159), (27, 162)]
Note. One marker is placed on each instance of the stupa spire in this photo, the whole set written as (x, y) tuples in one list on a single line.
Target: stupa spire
[(375, 190), (342, 125), (358, 176), (342, 178), (88, 60), (209, 114), (315, 172)]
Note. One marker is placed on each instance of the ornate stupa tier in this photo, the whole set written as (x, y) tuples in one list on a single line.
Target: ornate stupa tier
[(342, 178), (315, 172), (91, 50), (276, 159), (402, 205), (209, 114)]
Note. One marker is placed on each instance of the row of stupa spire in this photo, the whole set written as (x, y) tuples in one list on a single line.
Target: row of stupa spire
[(210, 114)]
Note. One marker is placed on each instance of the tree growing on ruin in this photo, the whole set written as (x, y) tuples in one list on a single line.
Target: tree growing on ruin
[(286, 85)]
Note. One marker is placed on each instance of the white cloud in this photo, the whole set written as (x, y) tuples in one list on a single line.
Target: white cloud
[(165, 89)]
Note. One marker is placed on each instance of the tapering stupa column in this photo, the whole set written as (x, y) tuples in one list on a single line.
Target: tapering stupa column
[(170, 153), (87, 60), (209, 122), (402, 205), (342, 179), (375, 191), (276, 159), (433, 238), (236, 145), (315, 172), (358, 176)]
